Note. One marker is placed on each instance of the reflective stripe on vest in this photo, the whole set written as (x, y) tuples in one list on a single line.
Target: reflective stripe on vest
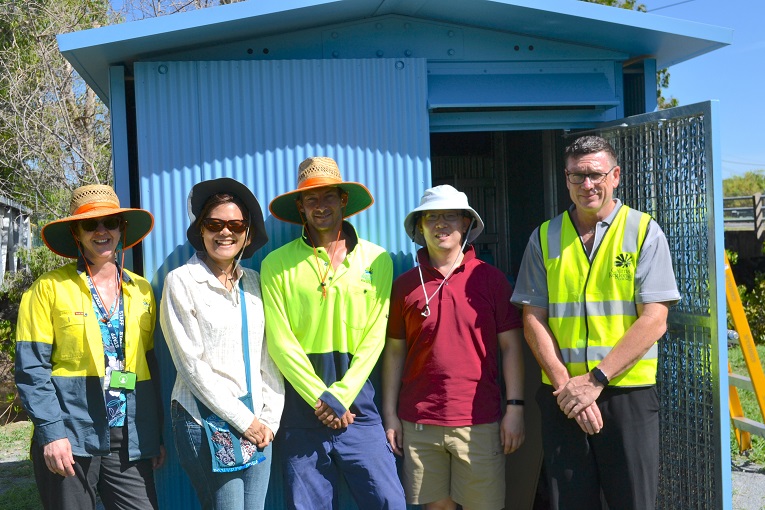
[(592, 305)]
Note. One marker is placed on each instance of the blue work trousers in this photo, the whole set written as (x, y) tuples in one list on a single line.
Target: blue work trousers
[(315, 458)]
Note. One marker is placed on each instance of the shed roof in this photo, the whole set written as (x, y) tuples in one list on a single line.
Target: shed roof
[(636, 34)]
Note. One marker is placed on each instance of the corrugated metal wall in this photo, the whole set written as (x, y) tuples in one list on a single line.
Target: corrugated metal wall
[(255, 121)]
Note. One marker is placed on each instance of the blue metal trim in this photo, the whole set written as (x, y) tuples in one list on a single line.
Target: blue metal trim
[(716, 224), (651, 85), (119, 139)]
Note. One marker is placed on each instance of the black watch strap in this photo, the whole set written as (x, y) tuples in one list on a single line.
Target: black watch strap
[(600, 376)]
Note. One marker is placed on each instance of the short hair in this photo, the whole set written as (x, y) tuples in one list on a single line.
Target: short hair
[(589, 145)]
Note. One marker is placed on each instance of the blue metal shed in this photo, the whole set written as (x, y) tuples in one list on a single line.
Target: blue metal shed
[(404, 94)]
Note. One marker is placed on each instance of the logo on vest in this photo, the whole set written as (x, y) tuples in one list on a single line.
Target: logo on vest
[(623, 267)]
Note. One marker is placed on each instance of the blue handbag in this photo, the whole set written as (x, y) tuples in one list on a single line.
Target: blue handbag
[(229, 450)]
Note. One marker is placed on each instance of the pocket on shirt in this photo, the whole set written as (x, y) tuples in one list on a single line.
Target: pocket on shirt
[(69, 331), (358, 305)]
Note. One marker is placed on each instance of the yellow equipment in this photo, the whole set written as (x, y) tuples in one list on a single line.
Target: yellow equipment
[(743, 426)]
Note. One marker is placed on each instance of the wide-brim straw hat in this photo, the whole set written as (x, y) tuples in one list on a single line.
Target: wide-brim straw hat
[(319, 172), (95, 201), (441, 198), (199, 194)]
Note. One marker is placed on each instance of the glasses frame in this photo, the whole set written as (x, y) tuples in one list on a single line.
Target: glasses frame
[(442, 216), (591, 176), (92, 224), (216, 225)]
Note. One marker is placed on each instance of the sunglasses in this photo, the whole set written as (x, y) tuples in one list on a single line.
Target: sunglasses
[(110, 223), (216, 225)]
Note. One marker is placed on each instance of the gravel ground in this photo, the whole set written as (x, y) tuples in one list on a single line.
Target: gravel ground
[(748, 489)]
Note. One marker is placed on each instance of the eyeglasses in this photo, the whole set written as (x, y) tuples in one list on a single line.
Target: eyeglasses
[(449, 217), (110, 223), (216, 225), (594, 177)]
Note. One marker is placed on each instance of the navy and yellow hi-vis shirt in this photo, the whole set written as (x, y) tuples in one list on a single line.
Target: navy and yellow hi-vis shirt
[(326, 346), (60, 364)]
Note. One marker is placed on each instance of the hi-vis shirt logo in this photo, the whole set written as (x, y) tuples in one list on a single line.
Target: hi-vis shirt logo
[(366, 275), (624, 267)]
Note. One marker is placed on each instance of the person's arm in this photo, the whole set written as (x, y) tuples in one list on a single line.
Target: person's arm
[(341, 394), (512, 432), (185, 341), (545, 349), (283, 347), (394, 357), (34, 344), (581, 391)]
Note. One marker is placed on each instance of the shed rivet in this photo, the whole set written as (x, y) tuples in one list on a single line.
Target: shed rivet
[(451, 52), (162, 69)]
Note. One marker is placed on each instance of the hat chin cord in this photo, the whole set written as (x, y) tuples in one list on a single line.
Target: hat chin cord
[(426, 311)]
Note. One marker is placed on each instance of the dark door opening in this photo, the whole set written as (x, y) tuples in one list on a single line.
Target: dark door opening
[(502, 174)]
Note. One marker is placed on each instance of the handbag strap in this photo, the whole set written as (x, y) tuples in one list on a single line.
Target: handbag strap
[(245, 336)]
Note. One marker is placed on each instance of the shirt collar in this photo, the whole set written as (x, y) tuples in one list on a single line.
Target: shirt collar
[(81, 269), (609, 219), (348, 229), (202, 273), (424, 260)]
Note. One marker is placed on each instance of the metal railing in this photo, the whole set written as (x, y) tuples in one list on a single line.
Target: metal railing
[(745, 212)]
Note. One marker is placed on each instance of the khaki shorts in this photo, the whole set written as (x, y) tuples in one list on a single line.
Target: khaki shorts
[(466, 463)]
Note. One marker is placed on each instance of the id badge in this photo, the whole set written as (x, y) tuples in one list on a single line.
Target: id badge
[(123, 380)]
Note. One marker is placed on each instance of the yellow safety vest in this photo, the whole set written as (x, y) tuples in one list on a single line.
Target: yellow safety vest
[(592, 305)]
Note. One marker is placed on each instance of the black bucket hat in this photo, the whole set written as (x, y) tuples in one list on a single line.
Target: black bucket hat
[(199, 194)]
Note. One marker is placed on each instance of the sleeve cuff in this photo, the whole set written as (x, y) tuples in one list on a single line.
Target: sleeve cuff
[(50, 432), (334, 403)]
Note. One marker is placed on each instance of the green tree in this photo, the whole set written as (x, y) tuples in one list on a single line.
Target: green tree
[(54, 133), (662, 76), (748, 184)]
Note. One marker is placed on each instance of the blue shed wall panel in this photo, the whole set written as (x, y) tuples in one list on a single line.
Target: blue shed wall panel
[(255, 121)]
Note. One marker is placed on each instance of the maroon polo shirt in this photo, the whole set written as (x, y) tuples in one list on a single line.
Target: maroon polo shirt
[(451, 372)]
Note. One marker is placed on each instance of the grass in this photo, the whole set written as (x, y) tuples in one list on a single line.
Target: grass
[(750, 407), (17, 485)]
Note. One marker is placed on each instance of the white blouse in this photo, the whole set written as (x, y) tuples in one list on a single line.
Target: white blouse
[(202, 324)]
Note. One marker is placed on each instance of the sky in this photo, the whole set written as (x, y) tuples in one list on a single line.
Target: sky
[(735, 75)]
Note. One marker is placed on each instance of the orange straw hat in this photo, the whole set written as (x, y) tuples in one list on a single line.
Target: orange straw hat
[(95, 201), (319, 172)]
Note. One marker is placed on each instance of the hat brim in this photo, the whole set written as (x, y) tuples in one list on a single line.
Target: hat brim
[(57, 235), (410, 222), (284, 207), (199, 194)]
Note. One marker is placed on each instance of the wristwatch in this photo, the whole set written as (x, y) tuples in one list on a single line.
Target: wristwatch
[(600, 376)]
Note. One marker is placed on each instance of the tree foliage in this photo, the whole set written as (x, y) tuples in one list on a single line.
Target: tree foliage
[(744, 185), (54, 132), (133, 10)]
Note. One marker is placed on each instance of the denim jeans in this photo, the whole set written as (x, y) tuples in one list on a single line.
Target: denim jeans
[(217, 491)]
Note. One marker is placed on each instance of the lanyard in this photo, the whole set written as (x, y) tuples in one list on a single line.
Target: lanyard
[(115, 338)]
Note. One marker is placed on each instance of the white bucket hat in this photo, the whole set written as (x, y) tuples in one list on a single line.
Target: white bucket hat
[(443, 198)]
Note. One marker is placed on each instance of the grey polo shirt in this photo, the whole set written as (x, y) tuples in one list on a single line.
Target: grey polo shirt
[(654, 277)]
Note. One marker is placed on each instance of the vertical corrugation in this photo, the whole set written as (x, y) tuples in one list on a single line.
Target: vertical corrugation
[(255, 121)]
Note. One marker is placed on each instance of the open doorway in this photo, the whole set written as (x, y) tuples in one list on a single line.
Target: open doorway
[(502, 173), (510, 180)]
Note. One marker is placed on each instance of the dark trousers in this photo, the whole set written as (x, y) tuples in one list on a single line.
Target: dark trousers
[(122, 484), (622, 460)]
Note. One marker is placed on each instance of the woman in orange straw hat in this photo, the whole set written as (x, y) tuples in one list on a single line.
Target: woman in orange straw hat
[(85, 360)]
